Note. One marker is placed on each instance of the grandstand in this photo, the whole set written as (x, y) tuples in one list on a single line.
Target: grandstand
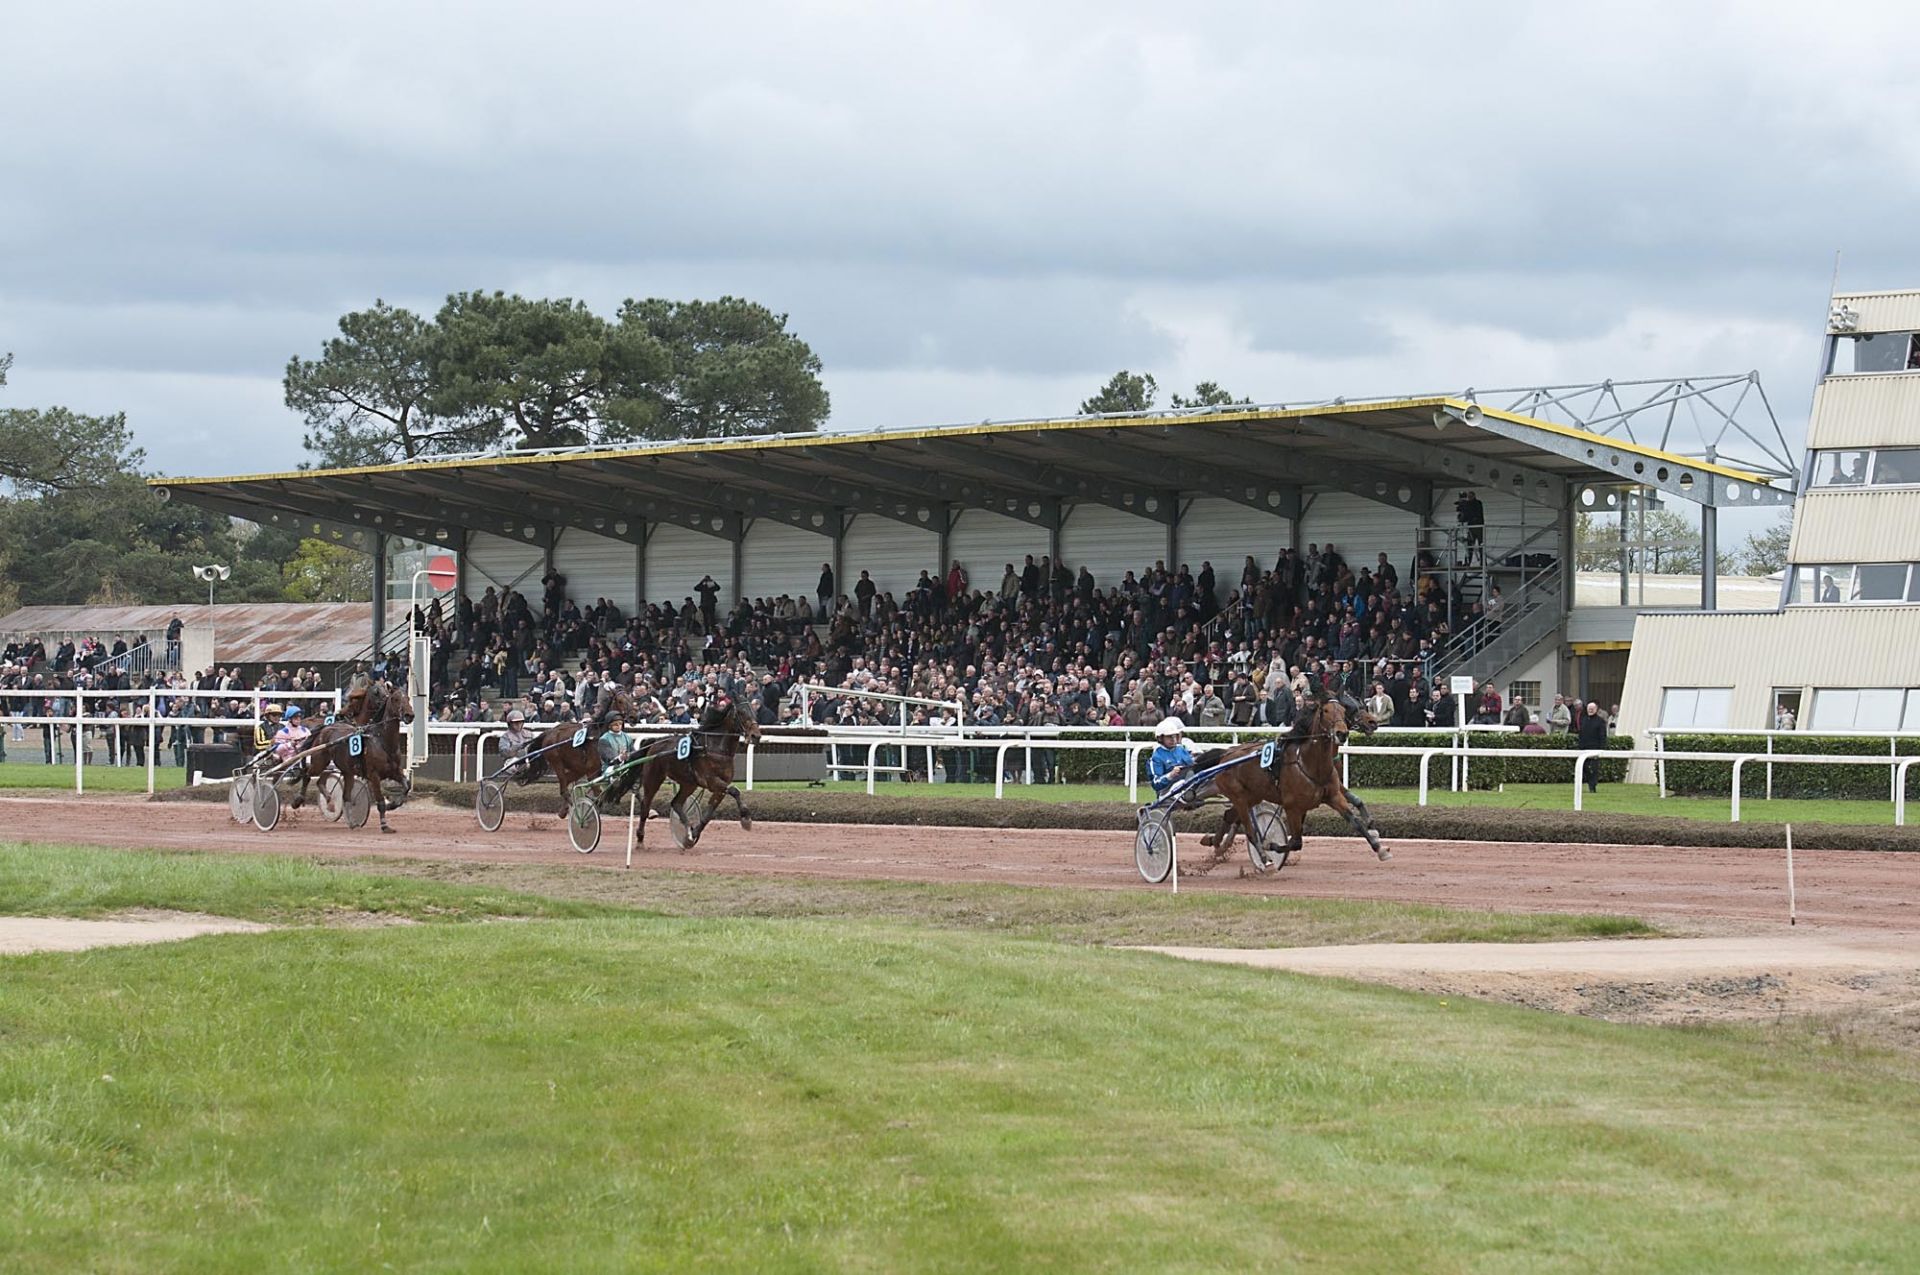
[(1113, 494)]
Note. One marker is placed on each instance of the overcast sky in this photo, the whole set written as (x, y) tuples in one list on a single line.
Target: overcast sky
[(969, 210)]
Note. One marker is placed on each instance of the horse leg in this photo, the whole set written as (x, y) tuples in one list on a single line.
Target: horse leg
[(1355, 813), (740, 807), (650, 778)]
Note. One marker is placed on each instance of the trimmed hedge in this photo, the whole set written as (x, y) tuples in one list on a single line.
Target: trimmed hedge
[(1430, 823), (1393, 772), (1713, 779)]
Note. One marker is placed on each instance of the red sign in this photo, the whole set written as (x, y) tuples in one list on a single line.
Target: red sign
[(440, 572)]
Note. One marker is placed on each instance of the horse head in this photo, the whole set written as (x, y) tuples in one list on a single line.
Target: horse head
[(1357, 715), (726, 713)]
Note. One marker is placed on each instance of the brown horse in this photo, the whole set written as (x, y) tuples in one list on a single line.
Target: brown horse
[(572, 762), (708, 767), (381, 757), (1305, 774)]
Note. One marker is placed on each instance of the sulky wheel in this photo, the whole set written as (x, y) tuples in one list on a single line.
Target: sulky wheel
[(327, 797), (583, 824), (490, 804), (266, 805), (240, 798), (1153, 845), (1267, 839), (359, 806)]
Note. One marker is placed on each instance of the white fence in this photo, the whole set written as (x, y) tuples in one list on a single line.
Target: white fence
[(1002, 740)]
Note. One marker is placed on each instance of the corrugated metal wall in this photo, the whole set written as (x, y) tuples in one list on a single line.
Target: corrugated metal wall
[(1885, 311), (780, 558), (597, 567), (895, 553), (497, 561), (1866, 411), (986, 542), (1855, 525), (1361, 529), (676, 559), (1799, 647), (1110, 542), (1224, 533)]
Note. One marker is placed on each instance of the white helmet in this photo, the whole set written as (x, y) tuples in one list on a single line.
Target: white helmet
[(1170, 726)]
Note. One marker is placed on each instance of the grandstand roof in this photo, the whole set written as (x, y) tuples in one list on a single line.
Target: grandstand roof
[(1396, 452)]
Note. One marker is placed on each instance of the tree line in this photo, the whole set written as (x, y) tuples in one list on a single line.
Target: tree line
[(493, 371)]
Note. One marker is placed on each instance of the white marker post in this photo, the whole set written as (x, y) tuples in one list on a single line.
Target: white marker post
[(1792, 908), (630, 826)]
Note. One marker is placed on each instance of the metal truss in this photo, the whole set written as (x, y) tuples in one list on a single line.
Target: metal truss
[(1725, 420)]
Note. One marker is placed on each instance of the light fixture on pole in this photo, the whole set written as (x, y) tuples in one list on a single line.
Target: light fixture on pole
[(211, 572)]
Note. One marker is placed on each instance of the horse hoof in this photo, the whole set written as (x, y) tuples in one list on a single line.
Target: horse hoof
[(384, 828), (1384, 853), (746, 823), (1207, 840)]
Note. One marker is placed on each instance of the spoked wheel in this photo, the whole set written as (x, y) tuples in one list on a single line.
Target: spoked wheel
[(327, 798), (1267, 839), (583, 824), (240, 798), (359, 806), (1153, 845), (687, 824), (490, 804), (266, 805)]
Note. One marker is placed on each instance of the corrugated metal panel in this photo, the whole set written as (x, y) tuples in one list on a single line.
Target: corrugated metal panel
[(243, 632), (780, 558), (497, 561), (1855, 525), (1110, 542), (895, 553), (1361, 530), (1224, 533), (1881, 410), (1842, 646), (676, 559), (986, 542), (597, 567), (1884, 311)]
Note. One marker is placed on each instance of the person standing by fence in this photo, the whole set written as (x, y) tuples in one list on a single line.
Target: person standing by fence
[(1593, 734)]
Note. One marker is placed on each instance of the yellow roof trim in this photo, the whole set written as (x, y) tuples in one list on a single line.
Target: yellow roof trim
[(1618, 445), (1595, 648), (752, 444)]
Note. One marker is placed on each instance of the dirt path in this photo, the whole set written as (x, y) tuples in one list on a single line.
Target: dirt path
[(20, 934), (1693, 889)]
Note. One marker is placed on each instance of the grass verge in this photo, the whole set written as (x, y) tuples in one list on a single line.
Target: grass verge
[(1058, 914), (664, 1094), (59, 777), (51, 880)]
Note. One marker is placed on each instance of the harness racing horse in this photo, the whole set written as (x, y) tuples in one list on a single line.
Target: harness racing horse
[(554, 748), (383, 710), (1305, 775), (708, 767)]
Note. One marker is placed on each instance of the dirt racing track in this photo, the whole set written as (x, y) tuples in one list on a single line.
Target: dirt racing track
[(1690, 888)]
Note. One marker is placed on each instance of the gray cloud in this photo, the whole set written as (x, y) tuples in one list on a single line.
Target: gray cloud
[(970, 209)]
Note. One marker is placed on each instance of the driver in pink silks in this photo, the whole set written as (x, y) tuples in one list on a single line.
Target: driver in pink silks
[(291, 738)]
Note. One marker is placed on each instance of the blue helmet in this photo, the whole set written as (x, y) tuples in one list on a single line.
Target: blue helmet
[(292, 713)]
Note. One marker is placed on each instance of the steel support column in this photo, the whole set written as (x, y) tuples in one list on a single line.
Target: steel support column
[(1709, 558), (740, 562), (379, 592)]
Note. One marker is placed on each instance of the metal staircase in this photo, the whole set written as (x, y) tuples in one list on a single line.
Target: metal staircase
[(1530, 613)]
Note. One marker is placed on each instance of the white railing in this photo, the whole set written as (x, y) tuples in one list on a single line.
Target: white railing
[(1659, 736), (1004, 741), (152, 722)]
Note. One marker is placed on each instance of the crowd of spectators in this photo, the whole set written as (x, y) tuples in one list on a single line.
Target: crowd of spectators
[(1039, 644)]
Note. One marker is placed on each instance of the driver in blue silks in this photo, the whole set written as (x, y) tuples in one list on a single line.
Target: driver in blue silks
[(1171, 761)]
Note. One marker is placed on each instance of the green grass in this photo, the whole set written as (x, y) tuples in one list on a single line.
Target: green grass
[(1059, 914), (664, 1094), (1637, 799), (50, 880), (20, 774)]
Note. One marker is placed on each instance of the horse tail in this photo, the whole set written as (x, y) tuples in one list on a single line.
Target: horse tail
[(623, 783), (535, 767), (1212, 757)]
